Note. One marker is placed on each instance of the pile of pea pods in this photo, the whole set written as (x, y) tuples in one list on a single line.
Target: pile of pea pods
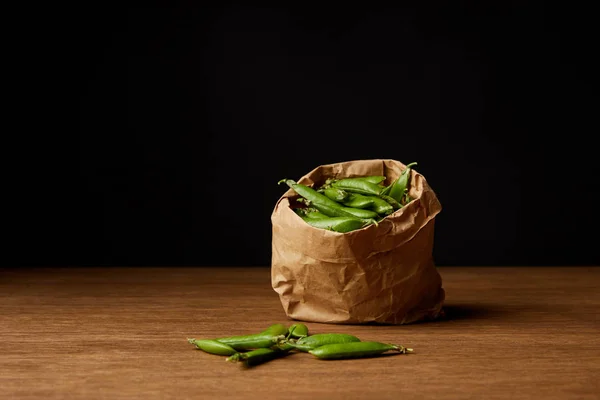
[(278, 340), (344, 205)]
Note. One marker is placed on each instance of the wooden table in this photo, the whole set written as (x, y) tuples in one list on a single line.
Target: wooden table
[(116, 333)]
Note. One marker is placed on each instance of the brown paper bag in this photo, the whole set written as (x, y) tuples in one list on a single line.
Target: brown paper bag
[(378, 274)]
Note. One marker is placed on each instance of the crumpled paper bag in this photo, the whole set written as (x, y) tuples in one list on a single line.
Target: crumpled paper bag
[(379, 274)]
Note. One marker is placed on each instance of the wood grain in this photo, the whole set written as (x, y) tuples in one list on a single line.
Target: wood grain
[(120, 333)]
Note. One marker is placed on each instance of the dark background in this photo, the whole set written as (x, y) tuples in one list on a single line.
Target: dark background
[(188, 117)]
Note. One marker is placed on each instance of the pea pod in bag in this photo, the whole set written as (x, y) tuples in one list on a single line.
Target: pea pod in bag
[(382, 273)]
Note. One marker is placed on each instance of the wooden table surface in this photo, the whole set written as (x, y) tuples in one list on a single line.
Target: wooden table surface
[(116, 333)]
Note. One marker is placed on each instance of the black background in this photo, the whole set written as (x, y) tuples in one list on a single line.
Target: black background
[(189, 115)]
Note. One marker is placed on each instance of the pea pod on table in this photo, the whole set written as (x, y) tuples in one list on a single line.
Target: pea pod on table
[(267, 338), (258, 356), (320, 339), (340, 351), (297, 331), (213, 347)]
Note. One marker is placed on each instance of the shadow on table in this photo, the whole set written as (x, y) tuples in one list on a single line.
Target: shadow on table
[(454, 312)]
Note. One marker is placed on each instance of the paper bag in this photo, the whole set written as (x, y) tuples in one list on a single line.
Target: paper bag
[(378, 274)]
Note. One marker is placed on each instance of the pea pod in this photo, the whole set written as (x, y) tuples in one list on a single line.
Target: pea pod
[(341, 211), (355, 350), (400, 185), (395, 204), (386, 190), (276, 329), (309, 193), (358, 201), (354, 185), (361, 213), (315, 214), (213, 347), (257, 356), (381, 206), (376, 179), (267, 338), (337, 224), (297, 331), (314, 341), (336, 194)]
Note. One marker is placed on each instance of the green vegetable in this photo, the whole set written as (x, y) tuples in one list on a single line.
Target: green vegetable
[(381, 206), (213, 347), (358, 201), (312, 342), (359, 186), (336, 194), (258, 356), (297, 331), (337, 224), (400, 185), (355, 350), (267, 338), (309, 193), (376, 179)]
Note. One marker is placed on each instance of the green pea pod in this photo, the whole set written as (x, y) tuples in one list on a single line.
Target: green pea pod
[(381, 207), (213, 347), (309, 193), (361, 213), (314, 341), (321, 339), (337, 224), (395, 204), (337, 211), (376, 179), (267, 338), (336, 194), (297, 331), (300, 211), (276, 329), (355, 350), (359, 186), (315, 214), (386, 190), (258, 356), (348, 212), (400, 185), (358, 201)]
